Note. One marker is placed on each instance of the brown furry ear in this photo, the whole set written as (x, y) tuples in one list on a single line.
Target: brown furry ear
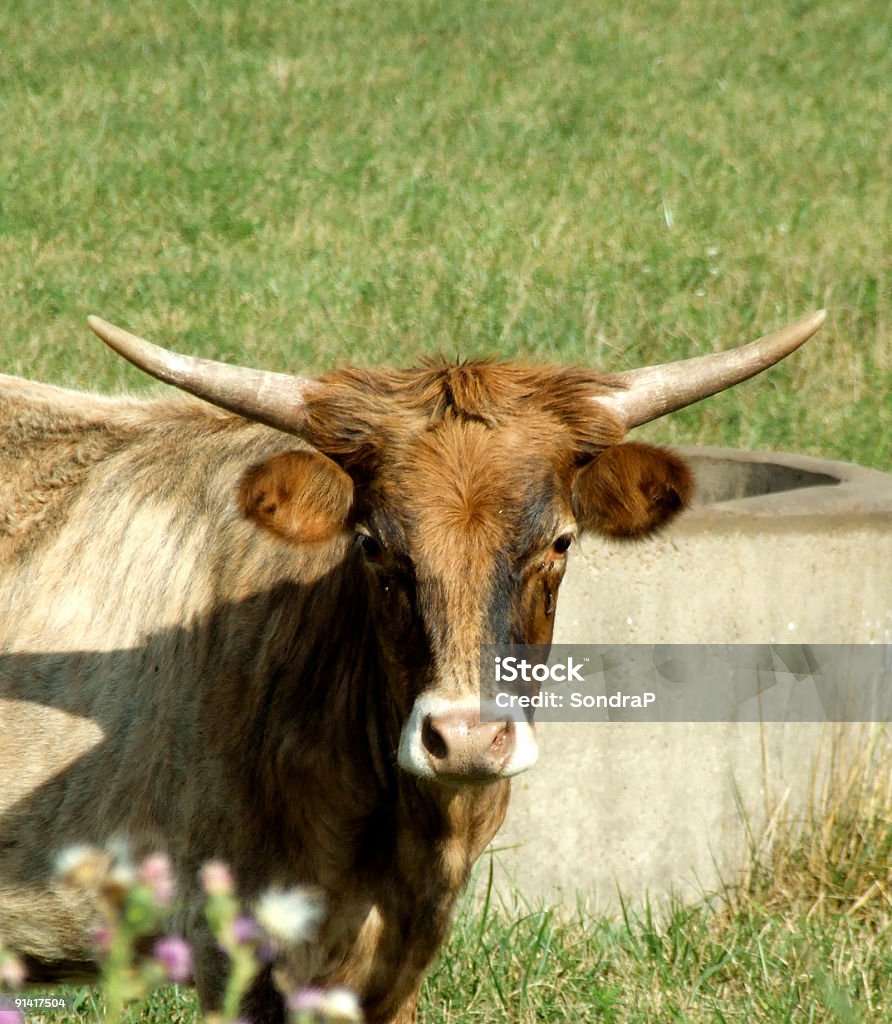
[(631, 490), (301, 497)]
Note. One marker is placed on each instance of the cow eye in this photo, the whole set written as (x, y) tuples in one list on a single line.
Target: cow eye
[(370, 547), (563, 543)]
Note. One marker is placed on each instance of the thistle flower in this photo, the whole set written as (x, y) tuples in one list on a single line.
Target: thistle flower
[(245, 929), (289, 915), (12, 970), (333, 1006), (122, 873), (84, 866), (175, 956), (155, 872), (216, 878), (107, 873), (102, 937)]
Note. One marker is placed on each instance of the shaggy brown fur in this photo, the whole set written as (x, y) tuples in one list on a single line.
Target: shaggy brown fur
[(173, 674)]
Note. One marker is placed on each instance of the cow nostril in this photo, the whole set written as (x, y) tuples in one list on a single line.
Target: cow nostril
[(503, 741), (433, 741)]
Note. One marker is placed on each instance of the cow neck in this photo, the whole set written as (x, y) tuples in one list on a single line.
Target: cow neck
[(444, 830)]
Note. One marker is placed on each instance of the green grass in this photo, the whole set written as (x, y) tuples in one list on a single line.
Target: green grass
[(694, 966), (302, 184)]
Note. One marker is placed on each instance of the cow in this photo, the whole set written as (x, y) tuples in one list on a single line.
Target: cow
[(244, 624)]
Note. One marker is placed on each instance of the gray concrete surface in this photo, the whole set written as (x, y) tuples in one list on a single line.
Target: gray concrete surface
[(779, 548)]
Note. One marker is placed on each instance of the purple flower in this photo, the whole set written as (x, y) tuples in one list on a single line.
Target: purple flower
[(102, 938), (12, 971), (336, 1005), (245, 929), (155, 871), (175, 956), (217, 879), (305, 999), (11, 1017)]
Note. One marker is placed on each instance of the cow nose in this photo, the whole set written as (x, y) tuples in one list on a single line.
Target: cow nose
[(459, 746)]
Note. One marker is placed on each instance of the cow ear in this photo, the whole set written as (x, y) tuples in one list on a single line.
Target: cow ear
[(301, 497), (631, 490)]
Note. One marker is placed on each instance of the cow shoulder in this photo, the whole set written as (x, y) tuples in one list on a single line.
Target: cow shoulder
[(631, 490), (300, 496)]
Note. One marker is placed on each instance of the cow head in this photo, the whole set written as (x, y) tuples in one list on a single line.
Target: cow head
[(463, 487)]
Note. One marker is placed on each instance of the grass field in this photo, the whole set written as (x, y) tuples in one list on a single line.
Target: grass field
[(302, 184), (297, 185)]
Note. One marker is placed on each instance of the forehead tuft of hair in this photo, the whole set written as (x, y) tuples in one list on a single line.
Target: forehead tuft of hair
[(359, 410)]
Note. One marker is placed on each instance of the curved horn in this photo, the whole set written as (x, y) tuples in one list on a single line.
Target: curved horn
[(275, 399), (653, 391)]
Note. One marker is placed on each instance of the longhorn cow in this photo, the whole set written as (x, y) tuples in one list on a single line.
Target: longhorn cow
[(248, 628)]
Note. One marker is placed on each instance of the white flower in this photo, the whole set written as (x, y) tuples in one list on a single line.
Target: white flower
[(86, 867), (71, 862), (291, 915), (122, 872), (341, 1004)]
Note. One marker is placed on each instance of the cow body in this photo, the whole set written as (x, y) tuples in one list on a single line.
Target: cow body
[(196, 683), (225, 640)]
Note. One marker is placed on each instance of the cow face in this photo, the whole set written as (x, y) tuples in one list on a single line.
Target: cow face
[(464, 494), (464, 485)]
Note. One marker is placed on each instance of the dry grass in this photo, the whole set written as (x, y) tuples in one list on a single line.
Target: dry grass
[(834, 858)]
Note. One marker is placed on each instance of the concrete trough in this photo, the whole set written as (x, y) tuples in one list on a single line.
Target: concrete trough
[(779, 548)]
